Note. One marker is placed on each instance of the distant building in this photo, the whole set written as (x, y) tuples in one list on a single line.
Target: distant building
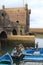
[(14, 21)]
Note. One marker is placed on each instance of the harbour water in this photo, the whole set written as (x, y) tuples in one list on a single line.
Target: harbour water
[(39, 39), (40, 42)]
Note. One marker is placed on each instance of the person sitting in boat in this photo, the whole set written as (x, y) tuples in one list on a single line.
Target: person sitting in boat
[(21, 47), (17, 51), (20, 50)]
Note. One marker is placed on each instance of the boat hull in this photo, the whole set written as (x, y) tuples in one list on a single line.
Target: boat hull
[(17, 57), (31, 51), (6, 60), (33, 58)]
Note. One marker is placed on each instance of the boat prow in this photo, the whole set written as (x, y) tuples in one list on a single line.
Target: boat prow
[(6, 60)]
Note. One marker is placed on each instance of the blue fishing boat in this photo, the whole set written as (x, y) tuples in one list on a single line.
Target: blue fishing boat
[(35, 54), (6, 60), (28, 52), (34, 51), (16, 55), (33, 58)]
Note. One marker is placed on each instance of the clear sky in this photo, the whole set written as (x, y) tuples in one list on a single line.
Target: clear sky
[(36, 6)]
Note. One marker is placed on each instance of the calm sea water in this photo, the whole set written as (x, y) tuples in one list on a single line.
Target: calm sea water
[(40, 42), (39, 39)]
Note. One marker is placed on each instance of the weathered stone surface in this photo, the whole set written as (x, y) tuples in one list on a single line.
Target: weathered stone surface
[(10, 16)]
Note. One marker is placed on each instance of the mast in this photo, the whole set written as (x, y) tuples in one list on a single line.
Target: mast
[(23, 2)]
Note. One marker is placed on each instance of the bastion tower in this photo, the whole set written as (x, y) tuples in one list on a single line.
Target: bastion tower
[(14, 21)]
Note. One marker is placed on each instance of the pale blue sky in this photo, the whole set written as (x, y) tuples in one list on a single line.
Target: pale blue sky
[(36, 6)]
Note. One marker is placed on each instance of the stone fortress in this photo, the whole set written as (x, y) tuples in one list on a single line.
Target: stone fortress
[(14, 21), (14, 27)]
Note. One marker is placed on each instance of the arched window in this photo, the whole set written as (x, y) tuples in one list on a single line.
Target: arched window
[(3, 34), (14, 32), (20, 32)]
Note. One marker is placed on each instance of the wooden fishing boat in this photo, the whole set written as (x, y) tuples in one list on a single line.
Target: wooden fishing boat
[(28, 52), (6, 60), (17, 57), (33, 58), (38, 52), (34, 51)]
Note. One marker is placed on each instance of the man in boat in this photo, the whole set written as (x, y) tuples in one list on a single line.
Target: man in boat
[(21, 47), (17, 52), (20, 50)]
